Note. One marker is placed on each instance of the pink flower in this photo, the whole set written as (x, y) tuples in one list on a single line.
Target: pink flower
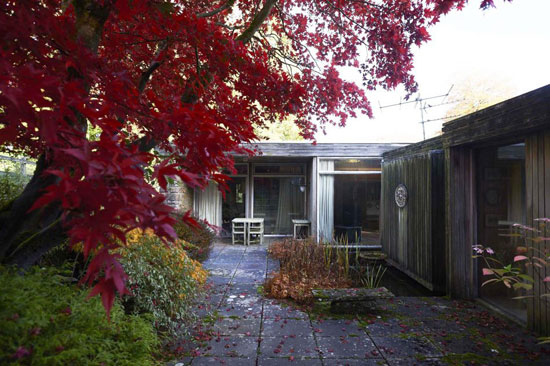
[(518, 258), (20, 353), (478, 249), (490, 251)]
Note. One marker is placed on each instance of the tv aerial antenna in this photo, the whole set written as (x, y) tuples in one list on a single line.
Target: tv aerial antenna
[(423, 106)]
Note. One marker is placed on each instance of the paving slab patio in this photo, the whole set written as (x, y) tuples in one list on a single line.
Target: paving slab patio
[(245, 328)]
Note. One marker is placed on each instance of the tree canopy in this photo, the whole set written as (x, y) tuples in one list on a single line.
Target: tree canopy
[(477, 92), (177, 85)]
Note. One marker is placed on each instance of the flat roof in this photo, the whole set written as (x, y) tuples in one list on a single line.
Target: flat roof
[(308, 149)]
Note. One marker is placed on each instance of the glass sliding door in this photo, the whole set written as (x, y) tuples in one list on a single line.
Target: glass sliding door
[(501, 202), (357, 208), (234, 204), (349, 200)]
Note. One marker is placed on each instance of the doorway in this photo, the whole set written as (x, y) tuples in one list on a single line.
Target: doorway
[(501, 202)]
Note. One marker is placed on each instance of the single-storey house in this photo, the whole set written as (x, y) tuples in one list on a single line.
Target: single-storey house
[(336, 187)]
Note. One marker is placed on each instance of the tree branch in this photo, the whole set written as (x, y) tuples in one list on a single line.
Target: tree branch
[(218, 10), (155, 64), (257, 22)]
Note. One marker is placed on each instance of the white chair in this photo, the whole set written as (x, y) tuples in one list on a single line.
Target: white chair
[(238, 231)]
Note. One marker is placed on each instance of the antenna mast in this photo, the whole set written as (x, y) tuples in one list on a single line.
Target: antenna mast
[(423, 106)]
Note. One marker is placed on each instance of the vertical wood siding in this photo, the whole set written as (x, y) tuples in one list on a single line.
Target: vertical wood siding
[(413, 236), (538, 206), (461, 222)]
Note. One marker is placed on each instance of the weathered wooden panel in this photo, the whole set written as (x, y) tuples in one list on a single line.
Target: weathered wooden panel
[(411, 236), (538, 206), (460, 226)]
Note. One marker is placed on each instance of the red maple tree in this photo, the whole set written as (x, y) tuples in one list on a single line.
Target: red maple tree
[(173, 84)]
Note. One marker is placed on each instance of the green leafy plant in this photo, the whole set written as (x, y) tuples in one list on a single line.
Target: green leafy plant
[(530, 264), (11, 185), (45, 320), (198, 240), (163, 280), (528, 256)]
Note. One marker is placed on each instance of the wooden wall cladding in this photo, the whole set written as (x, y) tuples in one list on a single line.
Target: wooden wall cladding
[(414, 236), (537, 165), (460, 222)]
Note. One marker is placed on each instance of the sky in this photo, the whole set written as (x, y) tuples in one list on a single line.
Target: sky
[(507, 45)]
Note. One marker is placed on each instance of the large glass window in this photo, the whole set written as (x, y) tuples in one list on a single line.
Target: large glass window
[(356, 208), (501, 202), (349, 200), (280, 169), (357, 165), (279, 200)]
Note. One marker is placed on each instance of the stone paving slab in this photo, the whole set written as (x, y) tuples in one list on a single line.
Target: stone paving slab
[(348, 347), (275, 310), (286, 327), (240, 327), (275, 361), (244, 328), (395, 347), (303, 346), (337, 327), (231, 346), (233, 361), (416, 362), (352, 362)]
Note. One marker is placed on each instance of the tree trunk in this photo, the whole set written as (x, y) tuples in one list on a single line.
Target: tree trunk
[(26, 236)]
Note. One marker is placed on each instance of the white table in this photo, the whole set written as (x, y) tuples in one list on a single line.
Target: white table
[(247, 231)]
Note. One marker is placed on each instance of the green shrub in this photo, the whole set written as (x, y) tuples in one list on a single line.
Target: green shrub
[(200, 238), (11, 186), (45, 320), (164, 281)]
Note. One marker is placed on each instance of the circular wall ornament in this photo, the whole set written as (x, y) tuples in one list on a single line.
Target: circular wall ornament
[(401, 195)]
